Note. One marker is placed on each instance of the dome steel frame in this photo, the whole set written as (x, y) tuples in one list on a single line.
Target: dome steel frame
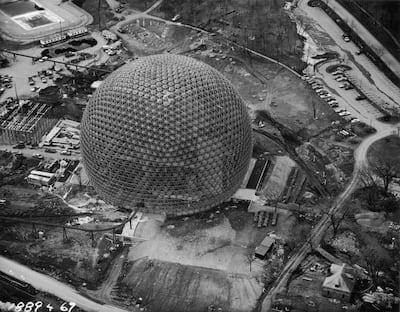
[(166, 133)]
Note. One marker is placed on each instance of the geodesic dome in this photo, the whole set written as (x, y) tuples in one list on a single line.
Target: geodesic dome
[(168, 134)]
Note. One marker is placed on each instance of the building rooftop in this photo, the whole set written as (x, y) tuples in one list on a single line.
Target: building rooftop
[(340, 279)]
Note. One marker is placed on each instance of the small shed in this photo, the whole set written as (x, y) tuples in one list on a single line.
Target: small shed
[(262, 250)]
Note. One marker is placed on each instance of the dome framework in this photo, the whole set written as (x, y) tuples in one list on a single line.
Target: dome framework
[(166, 133)]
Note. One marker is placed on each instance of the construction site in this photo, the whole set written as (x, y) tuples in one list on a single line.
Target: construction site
[(25, 121), (227, 258)]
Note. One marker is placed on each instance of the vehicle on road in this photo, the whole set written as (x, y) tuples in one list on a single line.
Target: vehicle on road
[(19, 145), (50, 150), (44, 80), (358, 52), (346, 37), (38, 156), (68, 153)]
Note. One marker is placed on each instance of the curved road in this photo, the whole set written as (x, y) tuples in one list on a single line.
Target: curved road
[(67, 293), (319, 230)]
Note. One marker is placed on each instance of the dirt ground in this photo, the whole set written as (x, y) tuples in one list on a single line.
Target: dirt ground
[(172, 287), (264, 86), (75, 261), (190, 263), (25, 201), (207, 265)]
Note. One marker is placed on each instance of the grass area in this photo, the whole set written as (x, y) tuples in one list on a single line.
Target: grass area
[(391, 147), (362, 129)]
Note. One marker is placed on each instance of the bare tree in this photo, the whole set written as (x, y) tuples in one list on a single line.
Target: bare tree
[(250, 257), (367, 177), (336, 220), (386, 169), (376, 259)]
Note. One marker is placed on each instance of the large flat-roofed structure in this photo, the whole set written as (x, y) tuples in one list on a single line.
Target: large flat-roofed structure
[(24, 121), (167, 134), (31, 20)]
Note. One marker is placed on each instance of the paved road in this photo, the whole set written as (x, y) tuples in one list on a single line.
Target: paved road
[(51, 285), (360, 154), (387, 57), (47, 156), (323, 225), (327, 35)]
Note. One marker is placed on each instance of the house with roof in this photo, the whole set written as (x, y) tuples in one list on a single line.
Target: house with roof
[(340, 284)]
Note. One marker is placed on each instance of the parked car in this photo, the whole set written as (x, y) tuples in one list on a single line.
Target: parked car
[(346, 37), (50, 150), (19, 145), (342, 79), (344, 113), (65, 152), (358, 52), (360, 98), (348, 87), (38, 156)]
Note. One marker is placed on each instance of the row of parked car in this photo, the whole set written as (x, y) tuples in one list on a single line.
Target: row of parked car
[(340, 76), (325, 95), (5, 82)]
